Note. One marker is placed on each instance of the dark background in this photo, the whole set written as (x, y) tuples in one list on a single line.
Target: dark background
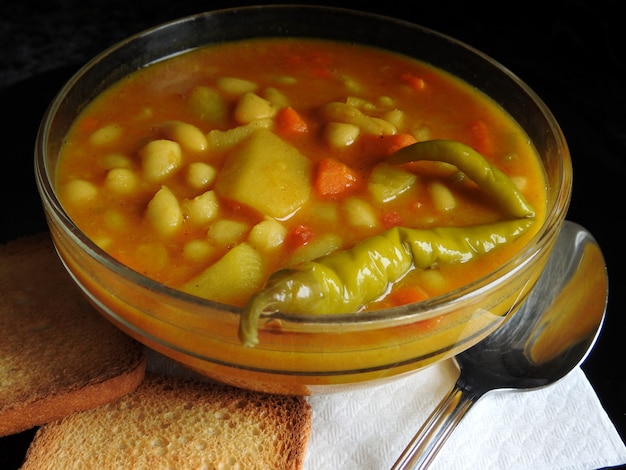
[(570, 52)]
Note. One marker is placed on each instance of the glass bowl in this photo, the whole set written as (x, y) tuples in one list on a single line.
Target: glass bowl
[(312, 354)]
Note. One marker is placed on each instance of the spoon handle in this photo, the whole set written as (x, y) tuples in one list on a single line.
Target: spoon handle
[(423, 448)]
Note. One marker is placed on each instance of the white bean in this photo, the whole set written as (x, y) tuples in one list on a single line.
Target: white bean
[(164, 212), (236, 86), (187, 135), (199, 250), (208, 104), (200, 175), (201, 209), (443, 199), (252, 107), (341, 134), (121, 181), (276, 97), (79, 191), (116, 160), (106, 135), (160, 158), (227, 232), (268, 234)]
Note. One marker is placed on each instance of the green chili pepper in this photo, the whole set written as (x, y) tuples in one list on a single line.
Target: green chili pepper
[(345, 281), (473, 164)]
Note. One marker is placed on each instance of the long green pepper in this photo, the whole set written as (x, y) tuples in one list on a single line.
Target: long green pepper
[(345, 281), (489, 178)]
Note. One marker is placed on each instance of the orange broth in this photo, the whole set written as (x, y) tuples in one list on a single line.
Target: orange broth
[(102, 169)]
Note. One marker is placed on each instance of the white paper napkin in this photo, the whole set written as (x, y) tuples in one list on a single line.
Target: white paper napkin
[(559, 427)]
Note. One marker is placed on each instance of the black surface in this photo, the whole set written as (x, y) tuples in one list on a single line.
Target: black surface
[(570, 52)]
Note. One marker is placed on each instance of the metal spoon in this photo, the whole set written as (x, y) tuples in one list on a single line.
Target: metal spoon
[(550, 335)]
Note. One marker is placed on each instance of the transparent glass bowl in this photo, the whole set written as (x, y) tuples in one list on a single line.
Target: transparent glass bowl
[(312, 354)]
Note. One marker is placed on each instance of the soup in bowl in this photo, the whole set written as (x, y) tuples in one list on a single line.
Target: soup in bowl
[(300, 199)]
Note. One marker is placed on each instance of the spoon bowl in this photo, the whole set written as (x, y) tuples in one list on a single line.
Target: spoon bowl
[(551, 334)]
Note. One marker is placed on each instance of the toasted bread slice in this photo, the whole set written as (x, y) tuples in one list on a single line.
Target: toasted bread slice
[(57, 354), (176, 422)]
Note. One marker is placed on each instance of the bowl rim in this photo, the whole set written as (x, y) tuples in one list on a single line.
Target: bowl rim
[(406, 313)]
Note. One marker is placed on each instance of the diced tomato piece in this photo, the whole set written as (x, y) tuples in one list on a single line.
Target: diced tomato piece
[(391, 219), (299, 236)]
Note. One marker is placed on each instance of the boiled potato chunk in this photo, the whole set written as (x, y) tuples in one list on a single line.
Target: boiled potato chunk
[(388, 181), (232, 278), (267, 174)]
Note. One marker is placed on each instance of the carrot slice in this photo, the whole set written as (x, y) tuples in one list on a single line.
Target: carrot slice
[(89, 124), (483, 143), (415, 82), (375, 148), (333, 178), (397, 141), (289, 121)]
